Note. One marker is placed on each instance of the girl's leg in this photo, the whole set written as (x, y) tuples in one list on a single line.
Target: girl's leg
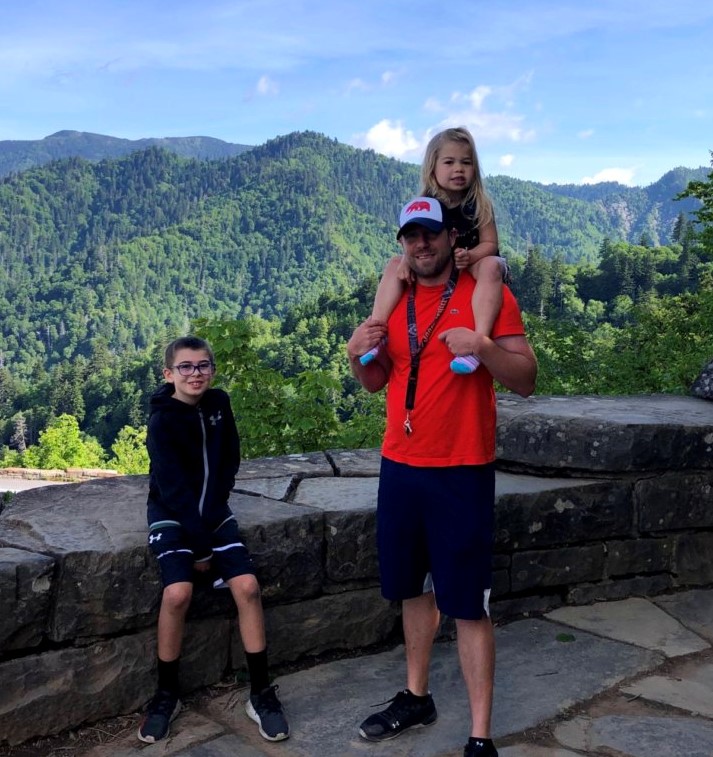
[(486, 303), (387, 297)]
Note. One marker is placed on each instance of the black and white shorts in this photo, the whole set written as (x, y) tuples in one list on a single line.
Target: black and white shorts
[(169, 544)]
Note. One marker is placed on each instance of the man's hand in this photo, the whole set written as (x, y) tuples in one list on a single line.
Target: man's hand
[(365, 336), (202, 567), (460, 340)]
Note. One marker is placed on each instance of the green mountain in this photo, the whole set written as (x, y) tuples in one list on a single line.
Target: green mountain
[(119, 251), (19, 155)]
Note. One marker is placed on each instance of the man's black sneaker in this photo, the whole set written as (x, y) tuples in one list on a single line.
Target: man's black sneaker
[(405, 711), (161, 710), (480, 748), (265, 709)]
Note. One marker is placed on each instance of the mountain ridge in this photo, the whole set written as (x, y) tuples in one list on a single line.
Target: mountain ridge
[(21, 155), (118, 250)]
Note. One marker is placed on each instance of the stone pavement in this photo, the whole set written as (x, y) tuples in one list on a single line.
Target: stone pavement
[(631, 677)]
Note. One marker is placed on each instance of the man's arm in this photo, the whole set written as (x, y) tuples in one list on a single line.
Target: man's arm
[(509, 359), (375, 375)]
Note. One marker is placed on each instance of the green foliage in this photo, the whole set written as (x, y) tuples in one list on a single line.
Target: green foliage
[(275, 415), (703, 191), (130, 453), (662, 348), (62, 445)]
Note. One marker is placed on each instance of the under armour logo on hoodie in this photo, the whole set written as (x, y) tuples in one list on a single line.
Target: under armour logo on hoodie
[(215, 418)]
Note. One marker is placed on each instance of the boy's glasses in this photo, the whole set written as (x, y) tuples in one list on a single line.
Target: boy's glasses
[(205, 368)]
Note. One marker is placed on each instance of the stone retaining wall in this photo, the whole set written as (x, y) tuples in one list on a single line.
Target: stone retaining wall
[(597, 498)]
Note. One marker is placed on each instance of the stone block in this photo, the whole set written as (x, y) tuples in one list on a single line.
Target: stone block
[(540, 512), (557, 567), (675, 501), (332, 623), (26, 587), (46, 693), (692, 559), (509, 608), (349, 506), (302, 465), (286, 543), (106, 581), (356, 462), (634, 556), (501, 584), (622, 588), (605, 434)]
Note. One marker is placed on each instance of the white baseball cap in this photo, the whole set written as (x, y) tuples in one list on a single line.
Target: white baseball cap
[(422, 211)]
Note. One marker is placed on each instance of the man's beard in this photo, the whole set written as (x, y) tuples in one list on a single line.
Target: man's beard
[(434, 273)]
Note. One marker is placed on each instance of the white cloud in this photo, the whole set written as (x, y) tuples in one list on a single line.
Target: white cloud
[(389, 138), (622, 175), (266, 86), (506, 160), (388, 77), (468, 109), (586, 133)]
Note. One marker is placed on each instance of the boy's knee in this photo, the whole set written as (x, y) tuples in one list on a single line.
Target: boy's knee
[(246, 589), (177, 597)]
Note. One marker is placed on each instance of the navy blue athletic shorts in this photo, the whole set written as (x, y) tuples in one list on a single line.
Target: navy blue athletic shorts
[(437, 521), (175, 558)]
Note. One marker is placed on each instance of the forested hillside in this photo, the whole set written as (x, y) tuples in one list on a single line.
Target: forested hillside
[(117, 251)]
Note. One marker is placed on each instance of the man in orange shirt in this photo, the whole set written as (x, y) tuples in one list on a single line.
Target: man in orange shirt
[(437, 481)]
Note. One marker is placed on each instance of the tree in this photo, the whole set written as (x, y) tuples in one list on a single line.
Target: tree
[(130, 453), (703, 191), (62, 445), (18, 440)]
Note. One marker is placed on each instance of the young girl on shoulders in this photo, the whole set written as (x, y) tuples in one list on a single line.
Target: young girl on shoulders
[(451, 173)]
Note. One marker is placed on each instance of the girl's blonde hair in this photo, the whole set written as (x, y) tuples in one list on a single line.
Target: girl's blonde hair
[(476, 197)]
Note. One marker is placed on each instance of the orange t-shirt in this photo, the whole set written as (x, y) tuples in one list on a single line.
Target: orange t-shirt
[(453, 418)]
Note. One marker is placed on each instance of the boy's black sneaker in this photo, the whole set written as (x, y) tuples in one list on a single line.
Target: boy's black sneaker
[(161, 710), (405, 711), (265, 709), (480, 748)]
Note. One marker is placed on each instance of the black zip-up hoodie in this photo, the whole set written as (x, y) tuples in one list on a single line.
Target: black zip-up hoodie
[(195, 455)]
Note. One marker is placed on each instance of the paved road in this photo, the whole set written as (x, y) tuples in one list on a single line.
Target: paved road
[(12, 484)]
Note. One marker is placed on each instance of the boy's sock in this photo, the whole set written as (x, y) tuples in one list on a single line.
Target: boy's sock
[(367, 357), (465, 364), (480, 748), (258, 671), (168, 675)]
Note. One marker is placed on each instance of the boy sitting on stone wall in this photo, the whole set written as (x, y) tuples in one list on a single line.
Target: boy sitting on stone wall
[(194, 450)]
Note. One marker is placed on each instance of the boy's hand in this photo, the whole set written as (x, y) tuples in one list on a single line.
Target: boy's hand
[(202, 567), (462, 258)]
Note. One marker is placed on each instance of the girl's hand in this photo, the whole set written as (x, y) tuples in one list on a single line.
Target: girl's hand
[(403, 272), (462, 258)]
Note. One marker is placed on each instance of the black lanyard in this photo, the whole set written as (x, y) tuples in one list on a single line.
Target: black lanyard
[(416, 348)]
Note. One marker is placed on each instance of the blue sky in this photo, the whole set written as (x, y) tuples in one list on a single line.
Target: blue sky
[(562, 91)]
